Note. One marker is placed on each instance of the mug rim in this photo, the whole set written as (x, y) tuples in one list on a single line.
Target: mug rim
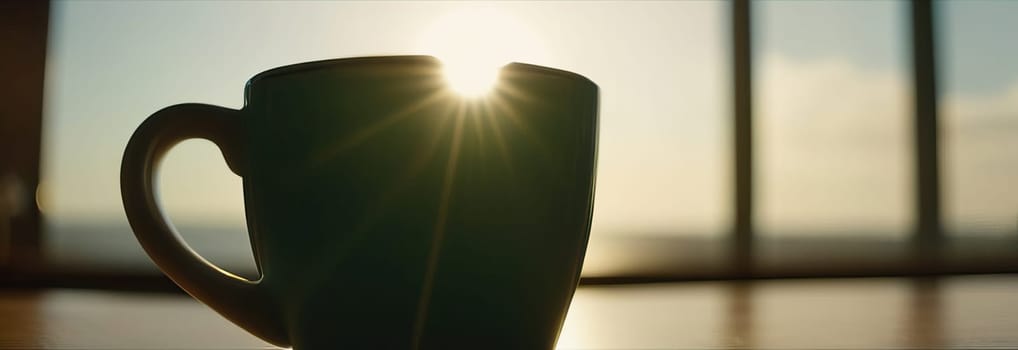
[(320, 64)]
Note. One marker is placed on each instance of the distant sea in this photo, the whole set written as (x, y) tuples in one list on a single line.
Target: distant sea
[(110, 245)]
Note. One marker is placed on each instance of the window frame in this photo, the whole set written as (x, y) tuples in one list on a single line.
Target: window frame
[(23, 31)]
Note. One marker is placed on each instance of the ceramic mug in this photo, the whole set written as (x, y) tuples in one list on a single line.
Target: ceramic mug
[(386, 211)]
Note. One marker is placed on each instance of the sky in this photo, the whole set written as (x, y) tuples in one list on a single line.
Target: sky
[(832, 101)]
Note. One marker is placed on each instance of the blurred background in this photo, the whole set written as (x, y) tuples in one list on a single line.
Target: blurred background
[(750, 150), (738, 139)]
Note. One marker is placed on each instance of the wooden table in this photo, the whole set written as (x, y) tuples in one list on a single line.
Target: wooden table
[(952, 312)]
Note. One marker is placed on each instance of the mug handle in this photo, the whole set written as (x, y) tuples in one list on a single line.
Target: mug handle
[(243, 302)]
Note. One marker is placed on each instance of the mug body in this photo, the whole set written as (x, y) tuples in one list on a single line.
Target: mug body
[(386, 211)]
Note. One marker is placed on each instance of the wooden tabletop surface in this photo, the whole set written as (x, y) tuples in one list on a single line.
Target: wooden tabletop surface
[(872, 313)]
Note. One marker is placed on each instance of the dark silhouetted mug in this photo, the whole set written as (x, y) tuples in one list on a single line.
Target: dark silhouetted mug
[(386, 211)]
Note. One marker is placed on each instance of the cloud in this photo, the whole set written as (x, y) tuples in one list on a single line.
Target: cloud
[(832, 147), (980, 161), (835, 153)]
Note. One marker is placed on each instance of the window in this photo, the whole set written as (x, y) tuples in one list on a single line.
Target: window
[(832, 169), (833, 116), (979, 104)]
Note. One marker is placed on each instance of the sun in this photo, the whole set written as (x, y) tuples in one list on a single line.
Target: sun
[(470, 78), (474, 43)]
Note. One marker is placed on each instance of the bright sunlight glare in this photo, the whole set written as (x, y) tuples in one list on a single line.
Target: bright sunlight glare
[(470, 77), (475, 43)]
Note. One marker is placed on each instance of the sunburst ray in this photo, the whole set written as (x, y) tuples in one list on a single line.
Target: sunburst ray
[(496, 132), (438, 234), (362, 135)]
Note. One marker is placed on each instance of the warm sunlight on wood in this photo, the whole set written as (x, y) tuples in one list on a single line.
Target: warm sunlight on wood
[(474, 43)]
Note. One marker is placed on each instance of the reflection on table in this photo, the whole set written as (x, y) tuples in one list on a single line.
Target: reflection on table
[(951, 312)]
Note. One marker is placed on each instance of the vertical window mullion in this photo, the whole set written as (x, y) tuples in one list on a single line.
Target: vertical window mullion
[(927, 187), (743, 133)]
